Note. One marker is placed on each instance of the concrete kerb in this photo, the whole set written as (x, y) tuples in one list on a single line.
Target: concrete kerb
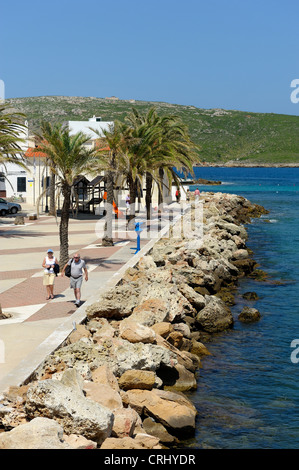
[(25, 370)]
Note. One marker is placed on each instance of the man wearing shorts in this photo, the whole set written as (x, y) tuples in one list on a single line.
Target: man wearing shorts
[(77, 267)]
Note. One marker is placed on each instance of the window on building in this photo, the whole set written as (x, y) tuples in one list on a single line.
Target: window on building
[(46, 180), (21, 184)]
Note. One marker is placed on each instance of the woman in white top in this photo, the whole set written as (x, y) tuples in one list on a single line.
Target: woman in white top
[(49, 275)]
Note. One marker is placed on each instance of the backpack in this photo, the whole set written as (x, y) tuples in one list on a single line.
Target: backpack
[(56, 268), (68, 269)]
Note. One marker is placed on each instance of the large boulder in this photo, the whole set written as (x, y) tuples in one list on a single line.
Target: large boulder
[(117, 354), (174, 411), (249, 315), (174, 303), (215, 317), (40, 433), (125, 422), (78, 415), (158, 430), (142, 356), (103, 394), (141, 379), (79, 442), (104, 375), (116, 303), (136, 332)]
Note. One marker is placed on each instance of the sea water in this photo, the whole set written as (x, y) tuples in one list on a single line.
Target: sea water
[(248, 389)]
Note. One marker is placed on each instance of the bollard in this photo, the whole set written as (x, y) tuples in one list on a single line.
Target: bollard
[(138, 231)]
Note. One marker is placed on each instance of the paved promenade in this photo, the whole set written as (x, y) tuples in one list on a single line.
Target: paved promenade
[(37, 325)]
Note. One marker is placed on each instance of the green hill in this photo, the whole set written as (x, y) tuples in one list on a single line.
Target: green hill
[(223, 135)]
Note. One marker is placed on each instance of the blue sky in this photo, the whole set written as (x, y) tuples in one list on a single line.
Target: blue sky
[(210, 54)]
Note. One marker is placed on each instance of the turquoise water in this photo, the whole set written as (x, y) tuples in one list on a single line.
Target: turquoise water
[(248, 390)]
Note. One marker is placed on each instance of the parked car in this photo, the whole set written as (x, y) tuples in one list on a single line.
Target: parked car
[(4, 209), (13, 207)]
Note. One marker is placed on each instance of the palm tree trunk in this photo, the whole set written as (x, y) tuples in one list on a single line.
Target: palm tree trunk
[(132, 191), (52, 210), (160, 197), (107, 239), (64, 224), (148, 195)]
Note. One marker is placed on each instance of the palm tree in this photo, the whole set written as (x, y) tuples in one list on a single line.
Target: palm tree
[(11, 127), (46, 129), (70, 159), (162, 144), (111, 151)]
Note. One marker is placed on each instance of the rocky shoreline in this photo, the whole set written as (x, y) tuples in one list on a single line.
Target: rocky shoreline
[(238, 164), (119, 379)]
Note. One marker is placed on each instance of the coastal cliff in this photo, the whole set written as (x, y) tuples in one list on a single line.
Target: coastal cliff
[(119, 379)]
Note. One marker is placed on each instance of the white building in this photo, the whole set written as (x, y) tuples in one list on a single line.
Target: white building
[(14, 177), (16, 181), (88, 127)]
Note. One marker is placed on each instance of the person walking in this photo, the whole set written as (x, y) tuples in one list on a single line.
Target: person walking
[(77, 267), (196, 194), (127, 203), (49, 274), (188, 195)]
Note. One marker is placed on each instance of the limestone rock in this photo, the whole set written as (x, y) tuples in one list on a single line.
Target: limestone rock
[(240, 254), (103, 394), (77, 415), (125, 422), (147, 262), (173, 411), (176, 339), (149, 312), (250, 296), (163, 329), (147, 441), (182, 328), (79, 442), (195, 299), (73, 379), (158, 430), (184, 382), (141, 379), (117, 303), (142, 356), (104, 330), (79, 332), (249, 315), (199, 349), (215, 317), (104, 375), (122, 443), (136, 332), (40, 433), (175, 304)]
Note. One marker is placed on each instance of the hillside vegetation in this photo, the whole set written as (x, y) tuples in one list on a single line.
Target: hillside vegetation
[(223, 135)]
